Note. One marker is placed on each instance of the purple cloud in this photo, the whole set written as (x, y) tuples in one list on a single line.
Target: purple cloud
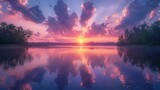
[(137, 11), (87, 12), (63, 23), (97, 29), (34, 13)]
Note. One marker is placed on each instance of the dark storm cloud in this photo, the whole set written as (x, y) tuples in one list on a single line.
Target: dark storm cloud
[(63, 23), (137, 11), (34, 13), (87, 12)]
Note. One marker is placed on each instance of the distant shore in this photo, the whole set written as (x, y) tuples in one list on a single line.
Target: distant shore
[(48, 44)]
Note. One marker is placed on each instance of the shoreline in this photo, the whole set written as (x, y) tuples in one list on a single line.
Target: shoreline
[(71, 45), (57, 44)]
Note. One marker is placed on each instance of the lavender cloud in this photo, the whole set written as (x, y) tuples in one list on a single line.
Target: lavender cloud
[(34, 13), (61, 11), (97, 29), (137, 11), (63, 23), (87, 12)]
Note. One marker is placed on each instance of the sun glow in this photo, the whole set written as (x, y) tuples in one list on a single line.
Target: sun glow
[(81, 39)]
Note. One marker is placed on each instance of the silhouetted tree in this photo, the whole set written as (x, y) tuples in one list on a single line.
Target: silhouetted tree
[(10, 34), (121, 40), (141, 35)]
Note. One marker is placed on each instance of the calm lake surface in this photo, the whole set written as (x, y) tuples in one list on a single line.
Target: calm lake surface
[(80, 68)]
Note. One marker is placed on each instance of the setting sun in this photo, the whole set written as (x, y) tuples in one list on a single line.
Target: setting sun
[(81, 39)]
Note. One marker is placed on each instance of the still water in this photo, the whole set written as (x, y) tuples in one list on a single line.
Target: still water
[(80, 68)]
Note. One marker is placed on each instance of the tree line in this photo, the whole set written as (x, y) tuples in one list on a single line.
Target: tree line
[(141, 35), (10, 34)]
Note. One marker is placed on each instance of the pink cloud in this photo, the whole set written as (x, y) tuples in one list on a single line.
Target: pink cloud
[(23, 2), (152, 14)]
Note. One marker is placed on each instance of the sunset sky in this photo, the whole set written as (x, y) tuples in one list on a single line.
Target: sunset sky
[(78, 20)]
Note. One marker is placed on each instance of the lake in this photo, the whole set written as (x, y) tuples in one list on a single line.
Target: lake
[(80, 68)]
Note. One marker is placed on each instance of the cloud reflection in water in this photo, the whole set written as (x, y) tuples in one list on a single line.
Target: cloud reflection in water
[(81, 67)]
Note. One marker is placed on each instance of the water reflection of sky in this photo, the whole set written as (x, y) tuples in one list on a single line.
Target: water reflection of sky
[(109, 68)]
